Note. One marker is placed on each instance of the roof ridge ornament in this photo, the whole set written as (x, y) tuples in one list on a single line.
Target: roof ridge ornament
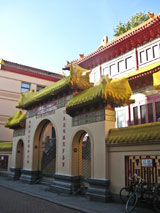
[(2, 62), (104, 42), (151, 15)]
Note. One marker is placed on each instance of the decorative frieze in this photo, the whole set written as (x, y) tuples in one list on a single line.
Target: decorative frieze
[(62, 101), (87, 118), (18, 132), (64, 138), (31, 113), (48, 108)]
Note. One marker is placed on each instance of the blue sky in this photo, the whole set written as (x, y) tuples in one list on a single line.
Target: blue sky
[(46, 33)]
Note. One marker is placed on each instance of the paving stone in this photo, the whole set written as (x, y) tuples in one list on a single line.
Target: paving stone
[(36, 194)]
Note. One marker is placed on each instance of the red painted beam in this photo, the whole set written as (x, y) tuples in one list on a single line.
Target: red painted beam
[(32, 74)]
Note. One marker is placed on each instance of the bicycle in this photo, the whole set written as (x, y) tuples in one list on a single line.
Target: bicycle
[(133, 198), (127, 190), (144, 193), (156, 198)]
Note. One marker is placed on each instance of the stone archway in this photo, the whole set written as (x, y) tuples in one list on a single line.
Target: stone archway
[(19, 159), (44, 149), (81, 159)]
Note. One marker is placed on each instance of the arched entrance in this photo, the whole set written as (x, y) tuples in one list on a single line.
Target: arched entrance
[(19, 158), (81, 159), (44, 154)]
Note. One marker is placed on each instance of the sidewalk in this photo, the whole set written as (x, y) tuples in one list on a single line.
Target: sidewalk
[(71, 201)]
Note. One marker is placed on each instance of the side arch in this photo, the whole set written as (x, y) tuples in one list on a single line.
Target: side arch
[(82, 157), (20, 154), (19, 159), (44, 148)]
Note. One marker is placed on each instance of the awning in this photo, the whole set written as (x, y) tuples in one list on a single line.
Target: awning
[(143, 69), (156, 80), (6, 146), (134, 135)]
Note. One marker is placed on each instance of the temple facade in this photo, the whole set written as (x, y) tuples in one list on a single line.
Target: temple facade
[(90, 131)]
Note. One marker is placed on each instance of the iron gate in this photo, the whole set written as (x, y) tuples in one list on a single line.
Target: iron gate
[(49, 157), (84, 163)]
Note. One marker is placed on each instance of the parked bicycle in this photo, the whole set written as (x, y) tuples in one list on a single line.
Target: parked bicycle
[(143, 192), (127, 190)]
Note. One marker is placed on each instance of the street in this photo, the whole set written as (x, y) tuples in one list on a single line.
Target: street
[(16, 202)]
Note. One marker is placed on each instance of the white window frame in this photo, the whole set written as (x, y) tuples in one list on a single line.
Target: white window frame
[(25, 86)]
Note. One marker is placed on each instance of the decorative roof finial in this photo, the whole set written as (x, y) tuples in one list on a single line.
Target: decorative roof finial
[(151, 15), (2, 62), (81, 56), (103, 42)]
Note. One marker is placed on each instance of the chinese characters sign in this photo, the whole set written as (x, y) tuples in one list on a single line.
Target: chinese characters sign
[(147, 162)]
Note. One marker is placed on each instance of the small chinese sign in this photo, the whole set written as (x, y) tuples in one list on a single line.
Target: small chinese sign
[(46, 109), (147, 162)]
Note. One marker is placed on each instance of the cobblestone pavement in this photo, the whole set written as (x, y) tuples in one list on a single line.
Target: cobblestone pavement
[(16, 202), (40, 198)]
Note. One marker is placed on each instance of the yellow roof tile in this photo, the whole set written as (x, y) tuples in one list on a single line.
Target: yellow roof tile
[(6, 146), (137, 134), (156, 80), (115, 91), (15, 120)]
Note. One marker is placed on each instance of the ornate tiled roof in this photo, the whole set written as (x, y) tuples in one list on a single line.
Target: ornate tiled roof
[(130, 42), (109, 91), (78, 79), (15, 120), (30, 98), (6, 146), (142, 71), (135, 135), (156, 80)]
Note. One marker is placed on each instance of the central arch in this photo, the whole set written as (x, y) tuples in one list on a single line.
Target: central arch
[(44, 149), (81, 159)]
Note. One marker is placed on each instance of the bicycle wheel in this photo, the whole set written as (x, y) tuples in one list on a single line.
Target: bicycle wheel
[(124, 194), (156, 202), (131, 202)]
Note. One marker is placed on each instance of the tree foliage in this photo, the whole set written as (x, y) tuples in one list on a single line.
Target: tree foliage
[(135, 20)]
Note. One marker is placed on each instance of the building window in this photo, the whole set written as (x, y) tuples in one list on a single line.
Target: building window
[(40, 87), (135, 115), (113, 69), (97, 76), (129, 62), (3, 162), (149, 54), (121, 66), (120, 118), (106, 71), (150, 113), (143, 114), (155, 51), (91, 77), (157, 104), (142, 57), (25, 87)]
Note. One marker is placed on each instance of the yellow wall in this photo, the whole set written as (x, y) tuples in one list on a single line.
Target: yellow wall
[(117, 162)]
